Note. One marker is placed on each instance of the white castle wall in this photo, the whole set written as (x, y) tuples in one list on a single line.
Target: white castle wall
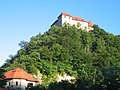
[(68, 19)]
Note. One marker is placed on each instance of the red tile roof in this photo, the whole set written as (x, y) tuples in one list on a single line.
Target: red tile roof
[(90, 24), (65, 14), (19, 74)]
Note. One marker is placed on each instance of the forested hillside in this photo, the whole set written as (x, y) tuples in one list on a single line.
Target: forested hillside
[(92, 57)]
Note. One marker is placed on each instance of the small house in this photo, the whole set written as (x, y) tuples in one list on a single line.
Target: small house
[(19, 79)]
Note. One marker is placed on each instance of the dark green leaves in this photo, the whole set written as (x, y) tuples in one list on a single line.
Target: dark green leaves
[(88, 56)]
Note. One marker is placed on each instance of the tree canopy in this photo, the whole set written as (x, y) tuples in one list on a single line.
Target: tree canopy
[(92, 57)]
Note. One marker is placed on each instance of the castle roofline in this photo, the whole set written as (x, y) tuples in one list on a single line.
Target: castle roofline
[(76, 18)]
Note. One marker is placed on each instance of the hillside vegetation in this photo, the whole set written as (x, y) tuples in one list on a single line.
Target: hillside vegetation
[(92, 57)]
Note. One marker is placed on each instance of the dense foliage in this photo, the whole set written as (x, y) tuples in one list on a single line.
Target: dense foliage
[(92, 57)]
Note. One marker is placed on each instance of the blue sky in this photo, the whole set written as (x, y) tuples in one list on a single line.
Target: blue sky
[(22, 19)]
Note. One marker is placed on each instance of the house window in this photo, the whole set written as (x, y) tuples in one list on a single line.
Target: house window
[(16, 83), (9, 83), (29, 85)]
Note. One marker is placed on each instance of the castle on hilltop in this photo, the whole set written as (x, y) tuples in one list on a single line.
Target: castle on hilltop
[(73, 20)]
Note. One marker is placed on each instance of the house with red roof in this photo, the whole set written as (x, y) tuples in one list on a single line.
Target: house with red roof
[(73, 20), (18, 78)]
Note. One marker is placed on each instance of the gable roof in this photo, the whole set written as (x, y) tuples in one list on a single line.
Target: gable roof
[(18, 73)]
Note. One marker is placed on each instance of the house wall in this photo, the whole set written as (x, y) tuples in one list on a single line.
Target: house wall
[(21, 83)]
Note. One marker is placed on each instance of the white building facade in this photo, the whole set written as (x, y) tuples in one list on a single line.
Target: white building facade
[(22, 84), (18, 79), (73, 20)]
